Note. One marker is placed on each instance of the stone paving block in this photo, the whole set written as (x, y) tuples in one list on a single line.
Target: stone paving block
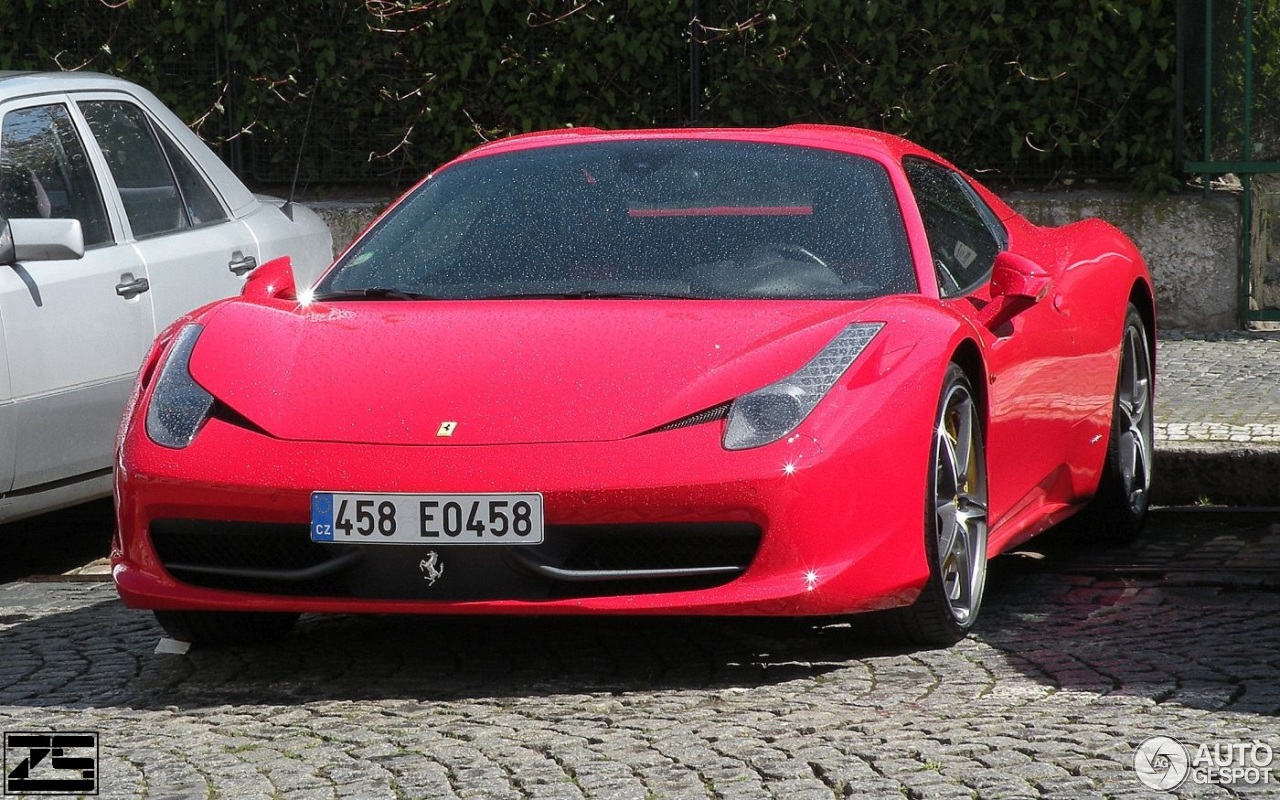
[(800, 790), (672, 781), (317, 793), (938, 789), (365, 790)]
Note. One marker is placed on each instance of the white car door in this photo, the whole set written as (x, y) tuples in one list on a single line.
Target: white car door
[(194, 250), (75, 331), (6, 419)]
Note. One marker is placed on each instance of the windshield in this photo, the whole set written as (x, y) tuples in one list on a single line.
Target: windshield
[(653, 218)]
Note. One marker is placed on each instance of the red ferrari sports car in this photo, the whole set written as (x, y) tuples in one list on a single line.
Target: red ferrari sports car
[(803, 371)]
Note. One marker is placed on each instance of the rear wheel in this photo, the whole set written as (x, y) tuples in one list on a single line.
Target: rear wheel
[(955, 524), (1119, 509), (225, 627)]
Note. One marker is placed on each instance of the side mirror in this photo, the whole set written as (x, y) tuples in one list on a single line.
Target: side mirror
[(8, 255), (272, 279), (40, 240), (1017, 283), (1017, 276)]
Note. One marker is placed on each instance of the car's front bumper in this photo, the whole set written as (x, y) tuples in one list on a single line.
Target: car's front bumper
[(839, 521)]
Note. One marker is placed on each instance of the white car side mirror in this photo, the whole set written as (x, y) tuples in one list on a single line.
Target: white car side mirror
[(40, 240)]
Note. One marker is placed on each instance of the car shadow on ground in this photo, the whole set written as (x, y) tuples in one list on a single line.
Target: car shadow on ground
[(1188, 613), (56, 542), (103, 654), (1050, 620)]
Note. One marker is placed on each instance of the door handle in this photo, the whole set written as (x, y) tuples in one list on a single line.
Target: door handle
[(240, 266), (130, 289)]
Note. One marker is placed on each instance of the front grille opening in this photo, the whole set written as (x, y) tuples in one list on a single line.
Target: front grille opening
[(209, 553), (690, 546), (656, 554), (574, 561)]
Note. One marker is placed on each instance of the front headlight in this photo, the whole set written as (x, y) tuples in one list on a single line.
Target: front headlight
[(179, 406), (768, 414)]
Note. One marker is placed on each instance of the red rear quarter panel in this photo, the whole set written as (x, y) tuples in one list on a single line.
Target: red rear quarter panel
[(1096, 271)]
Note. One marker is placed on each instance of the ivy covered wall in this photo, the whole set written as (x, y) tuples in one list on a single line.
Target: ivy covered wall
[(1027, 91)]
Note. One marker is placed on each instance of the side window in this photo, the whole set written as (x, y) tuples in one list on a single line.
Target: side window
[(44, 172), (160, 190), (202, 205), (964, 237)]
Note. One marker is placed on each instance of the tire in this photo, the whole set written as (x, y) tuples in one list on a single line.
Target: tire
[(955, 525), (1118, 511), (225, 627)]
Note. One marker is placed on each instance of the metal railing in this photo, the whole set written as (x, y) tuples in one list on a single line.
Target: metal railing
[(1229, 65)]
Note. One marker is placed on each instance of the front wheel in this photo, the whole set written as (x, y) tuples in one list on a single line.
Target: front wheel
[(955, 524)]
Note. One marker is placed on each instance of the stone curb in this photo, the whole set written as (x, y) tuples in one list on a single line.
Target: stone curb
[(1216, 473)]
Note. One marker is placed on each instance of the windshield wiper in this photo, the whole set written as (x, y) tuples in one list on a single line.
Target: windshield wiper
[(372, 293), (589, 294), (645, 295)]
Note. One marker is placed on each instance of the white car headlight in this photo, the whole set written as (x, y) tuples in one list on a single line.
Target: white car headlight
[(768, 414), (179, 406)]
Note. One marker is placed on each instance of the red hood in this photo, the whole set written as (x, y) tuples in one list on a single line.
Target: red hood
[(504, 371)]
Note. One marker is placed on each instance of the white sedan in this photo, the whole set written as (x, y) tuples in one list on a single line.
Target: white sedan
[(115, 219)]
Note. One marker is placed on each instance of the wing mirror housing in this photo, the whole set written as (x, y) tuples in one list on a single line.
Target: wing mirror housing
[(8, 253), (273, 279), (40, 240), (1017, 283)]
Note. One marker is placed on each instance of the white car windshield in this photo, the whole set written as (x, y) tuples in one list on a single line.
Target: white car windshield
[(639, 218)]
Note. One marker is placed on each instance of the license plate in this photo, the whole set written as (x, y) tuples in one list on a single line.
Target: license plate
[(427, 518)]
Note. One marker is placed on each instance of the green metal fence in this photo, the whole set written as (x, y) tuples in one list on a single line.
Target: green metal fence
[(1229, 103)]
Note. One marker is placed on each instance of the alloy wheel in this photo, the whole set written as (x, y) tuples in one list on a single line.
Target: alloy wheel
[(1133, 405), (960, 504)]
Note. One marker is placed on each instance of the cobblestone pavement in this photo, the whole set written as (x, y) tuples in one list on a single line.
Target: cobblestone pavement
[(1217, 433), (1080, 656), (1218, 387)]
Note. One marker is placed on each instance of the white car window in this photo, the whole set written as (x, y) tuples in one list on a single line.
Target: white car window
[(161, 191), (202, 204), (44, 172)]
